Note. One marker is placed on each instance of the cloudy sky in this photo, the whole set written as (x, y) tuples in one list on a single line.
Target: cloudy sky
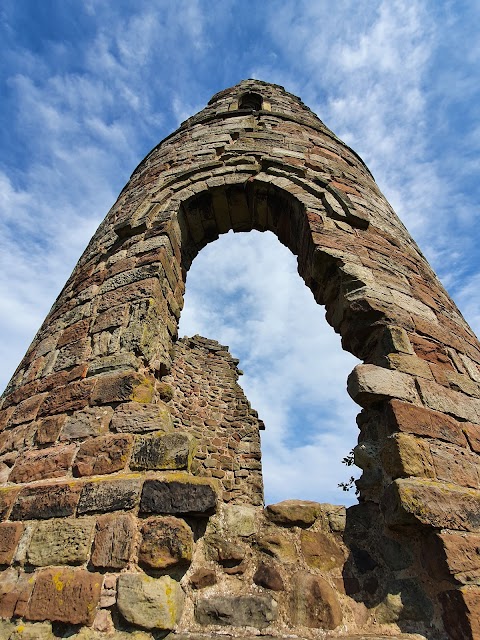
[(90, 86)]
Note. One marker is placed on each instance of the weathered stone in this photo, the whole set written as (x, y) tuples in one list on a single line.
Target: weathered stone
[(91, 634), (114, 539), (17, 439), (314, 602), (53, 462), (92, 421), (450, 554), (409, 364), (109, 495), (165, 391), (15, 590), (123, 387), (172, 497), (267, 576), (32, 631), (46, 501), (10, 533), (166, 542), (228, 553), (241, 611), (294, 512), (441, 505), (159, 451), (455, 465), (461, 614), (368, 384), (240, 519), (450, 402), (278, 546), (105, 454), (7, 498), (67, 398), (336, 516), (404, 455), (424, 422), (202, 578), (66, 595), (472, 431), (321, 551), (27, 410), (48, 429), (149, 602), (134, 417), (59, 542), (405, 600), (116, 363)]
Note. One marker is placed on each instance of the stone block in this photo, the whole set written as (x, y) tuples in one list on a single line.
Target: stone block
[(408, 502), (240, 520), (314, 603), (368, 384), (105, 454), (424, 422), (240, 611), (279, 546), (32, 631), (149, 602), (71, 397), (404, 455), (404, 600), (409, 364), (7, 498), (134, 417), (53, 462), (453, 555), (123, 387), (104, 495), (46, 501), (58, 542), (166, 542), (76, 331), (173, 497), (15, 590), (27, 410), (48, 429), (10, 533), (160, 451), (321, 551), (114, 539), (203, 577), (92, 421), (65, 595), (445, 400), (294, 512), (456, 465), (461, 613), (472, 432), (17, 439), (268, 577)]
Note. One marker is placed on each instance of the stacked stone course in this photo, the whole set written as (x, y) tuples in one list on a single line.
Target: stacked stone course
[(131, 503)]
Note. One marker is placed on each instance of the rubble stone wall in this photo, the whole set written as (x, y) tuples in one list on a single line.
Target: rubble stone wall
[(122, 449)]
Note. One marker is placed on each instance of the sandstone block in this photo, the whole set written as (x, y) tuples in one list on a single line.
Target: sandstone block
[(109, 495), (456, 465), (26, 410), (105, 454), (46, 501), (240, 611), (65, 595), (53, 462), (10, 533), (424, 422), (134, 417), (461, 613), (228, 553), (278, 546), (440, 505), (123, 387), (166, 542), (404, 455), (48, 429), (456, 555), (67, 398), (240, 520), (171, 497), (114, 363), (114, 538), (314, 602), (472, 432), (159, 451), (267, 576), (76, 331), (321, 551), (149, 602), (60, 542), (32, 631), (202, 578), (368, 384), (17, 439), (451, 402), (7, 498), (405, 600), (89, 422), (15, 590), (409, 364), (294, 512)]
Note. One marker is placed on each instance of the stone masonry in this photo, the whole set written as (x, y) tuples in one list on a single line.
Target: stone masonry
[(131, 502)]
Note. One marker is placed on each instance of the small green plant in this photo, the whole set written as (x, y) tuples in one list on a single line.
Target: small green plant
[(350, 483)]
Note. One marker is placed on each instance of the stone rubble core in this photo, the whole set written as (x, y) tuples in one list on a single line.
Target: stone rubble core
[(131, 503)]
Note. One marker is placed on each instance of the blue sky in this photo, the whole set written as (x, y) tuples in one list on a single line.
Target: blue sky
[(88, 88)]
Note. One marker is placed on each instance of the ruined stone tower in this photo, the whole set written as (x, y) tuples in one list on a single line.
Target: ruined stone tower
[(131, 502)]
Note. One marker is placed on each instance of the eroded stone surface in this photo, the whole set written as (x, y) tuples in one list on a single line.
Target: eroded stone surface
[(241, 611), (166, 542), (152, 603), (58, 542)]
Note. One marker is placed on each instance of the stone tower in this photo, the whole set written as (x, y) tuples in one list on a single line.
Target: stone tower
[(131, 502)]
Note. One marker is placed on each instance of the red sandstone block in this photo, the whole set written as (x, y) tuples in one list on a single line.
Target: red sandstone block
[(424, 422), (114, 540), (68, 398), (18, 438), (7, 498), (5, 416), (48, 429), (122, 387), (461, 613), (66, 595), (450, 555), (76, 331), (27, 410), (149, 288), (10, 533), (46, 501), (15, 590), (101, 455), (472, 431), (53, 462)]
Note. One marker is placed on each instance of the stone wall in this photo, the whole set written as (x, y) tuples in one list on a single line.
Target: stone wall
[(116, 431)]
